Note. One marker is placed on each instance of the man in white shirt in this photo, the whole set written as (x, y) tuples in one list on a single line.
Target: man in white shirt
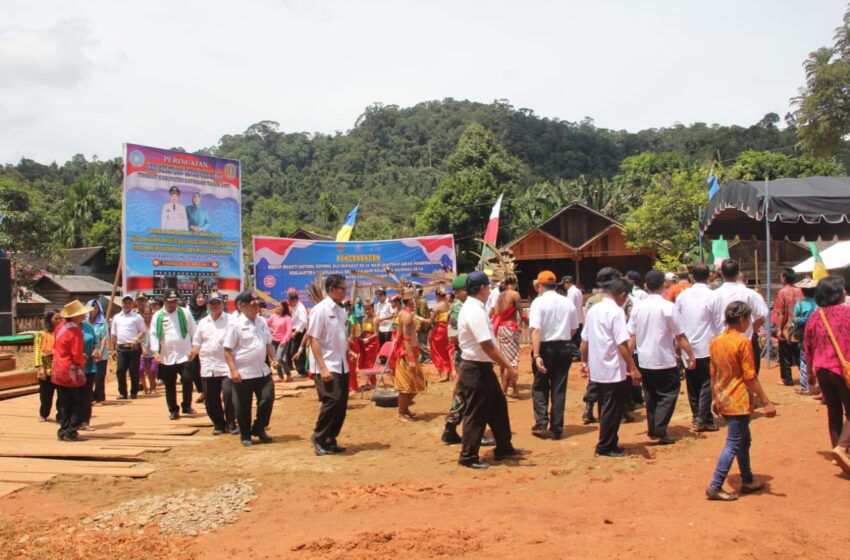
[(731, 290), (384, 316), (247, 344), (173, 215), (128, 330), (655, 333), (553, 321), (328, 331), (607, 360), (172, 328), (636, 280), (486, 402), (693, 308), (215, 373), (299, 326)]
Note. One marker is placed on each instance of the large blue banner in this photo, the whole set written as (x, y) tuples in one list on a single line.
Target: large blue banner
[(182, 225), (280, 263)]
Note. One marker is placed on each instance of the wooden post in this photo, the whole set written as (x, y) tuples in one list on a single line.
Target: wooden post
[(114, 287)]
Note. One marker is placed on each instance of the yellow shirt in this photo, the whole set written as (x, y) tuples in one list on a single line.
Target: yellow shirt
[(732, 365)]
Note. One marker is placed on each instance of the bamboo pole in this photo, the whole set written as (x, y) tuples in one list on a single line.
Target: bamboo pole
[(114, 287)]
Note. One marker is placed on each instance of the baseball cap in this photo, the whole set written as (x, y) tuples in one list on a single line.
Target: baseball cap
[(669, 276), (246, 297), (141, 295), (171, 295), (567, 278), (546, 277), (215, 296), (126, 297), (459, 283), (477, 279)]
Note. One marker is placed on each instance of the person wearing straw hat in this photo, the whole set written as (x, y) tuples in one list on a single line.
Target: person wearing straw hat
[(171, 333), (68, 362), (215, 374), (803, 309), (128, 330)]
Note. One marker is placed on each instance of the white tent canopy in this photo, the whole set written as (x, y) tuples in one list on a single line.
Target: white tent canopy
[(834, 257)]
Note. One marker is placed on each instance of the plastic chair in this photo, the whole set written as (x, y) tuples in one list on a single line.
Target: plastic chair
[(378, 369)]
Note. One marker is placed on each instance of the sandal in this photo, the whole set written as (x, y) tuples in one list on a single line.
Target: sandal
[(720, 495), (757, 487), (840, 456)]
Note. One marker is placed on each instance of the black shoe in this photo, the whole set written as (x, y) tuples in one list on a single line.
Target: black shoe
[(334, 448), (233, 429), (587, 416), (628, 418), (133, 396), (515, 453), (71, 436), (263, 436), (487, 442), (189, 410), (541, 431), (247, 443), (122, 397), (318, 447), (556, 435), (450, 435), (616, 452), (478, 465), (705, 427), (666, 440), (218, 431), (174, 416)]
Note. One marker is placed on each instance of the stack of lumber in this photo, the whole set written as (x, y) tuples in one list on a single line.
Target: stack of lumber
[(15, 382), (125, 431)]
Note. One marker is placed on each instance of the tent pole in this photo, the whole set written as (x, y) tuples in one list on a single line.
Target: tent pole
[(767, 258), (699, 234)]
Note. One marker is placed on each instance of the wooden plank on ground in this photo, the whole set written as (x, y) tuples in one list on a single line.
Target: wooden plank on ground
[(9, 487), (79, 468), (68, 449), (18, 392), (17, 378), (29, 477)]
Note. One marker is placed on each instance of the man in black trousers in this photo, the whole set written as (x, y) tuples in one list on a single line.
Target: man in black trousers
[(486, 402), (247, 345), (553, 321), (328, 332)]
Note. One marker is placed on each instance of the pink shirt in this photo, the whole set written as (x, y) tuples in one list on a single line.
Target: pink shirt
[(281, 326), (820, 354)]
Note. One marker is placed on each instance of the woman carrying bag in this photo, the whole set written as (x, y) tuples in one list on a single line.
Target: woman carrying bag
[(826, 344), (68, 362)]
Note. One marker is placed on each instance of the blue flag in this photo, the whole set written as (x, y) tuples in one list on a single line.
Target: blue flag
[(713, 186)]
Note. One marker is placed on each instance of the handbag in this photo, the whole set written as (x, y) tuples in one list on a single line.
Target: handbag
[(845, 365), (73, 377)]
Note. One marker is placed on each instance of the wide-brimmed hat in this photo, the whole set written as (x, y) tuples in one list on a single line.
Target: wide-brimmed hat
[(806, 283), (74, 309)]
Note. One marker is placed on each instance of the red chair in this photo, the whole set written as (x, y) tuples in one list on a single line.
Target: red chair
[(378, 369)]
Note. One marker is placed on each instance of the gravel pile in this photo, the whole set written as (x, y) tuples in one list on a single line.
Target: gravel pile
[(185, 512)]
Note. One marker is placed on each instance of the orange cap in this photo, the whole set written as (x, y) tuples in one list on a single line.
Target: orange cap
[(546, 277)]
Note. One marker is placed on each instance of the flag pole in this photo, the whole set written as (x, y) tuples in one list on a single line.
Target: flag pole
[(699, 234), (767, 258)]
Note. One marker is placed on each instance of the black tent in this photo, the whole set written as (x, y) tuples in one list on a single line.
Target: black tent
[(809, 207)]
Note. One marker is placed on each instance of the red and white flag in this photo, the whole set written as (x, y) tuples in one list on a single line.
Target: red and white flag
[(493, 225)]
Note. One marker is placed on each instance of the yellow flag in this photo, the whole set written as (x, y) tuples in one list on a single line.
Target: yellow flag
[(820, 268)]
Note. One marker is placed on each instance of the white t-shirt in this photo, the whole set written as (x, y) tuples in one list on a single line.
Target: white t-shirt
[(126, 327), (693, 308), (491, 299), (554, 316), (732, 291), (209, 335), (473, 328), (384, 309), (299, 317), (248, 340), (173, 348), (327, 325), (655, 326), (577, 299), (605, 329)]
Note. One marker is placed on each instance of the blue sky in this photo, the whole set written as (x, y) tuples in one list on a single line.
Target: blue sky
[(86, 76)]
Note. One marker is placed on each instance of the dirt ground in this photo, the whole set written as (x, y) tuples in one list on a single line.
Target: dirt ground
[(398, 492)]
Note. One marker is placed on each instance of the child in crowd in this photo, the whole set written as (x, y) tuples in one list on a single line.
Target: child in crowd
[(733, 379), (147, 362)]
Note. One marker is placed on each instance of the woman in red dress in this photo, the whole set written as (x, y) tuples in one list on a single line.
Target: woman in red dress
[(441, 355)]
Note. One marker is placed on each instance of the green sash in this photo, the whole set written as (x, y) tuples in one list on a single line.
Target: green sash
[(184, 326)]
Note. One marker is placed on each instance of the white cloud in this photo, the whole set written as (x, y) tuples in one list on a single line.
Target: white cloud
[(53, 57)]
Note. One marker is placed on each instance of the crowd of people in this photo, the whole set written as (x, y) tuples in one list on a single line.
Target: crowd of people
[(636, 339)]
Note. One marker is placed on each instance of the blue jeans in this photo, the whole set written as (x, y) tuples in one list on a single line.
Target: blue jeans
[(804, 384), (738, 441)]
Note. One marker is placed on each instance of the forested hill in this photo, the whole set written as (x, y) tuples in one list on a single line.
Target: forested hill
[(393, 158), (435, 167)]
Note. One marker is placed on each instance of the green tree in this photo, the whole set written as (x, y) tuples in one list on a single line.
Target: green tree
[(273, 218), (754, 166), (823, 106), (476, 173), (106, 232)]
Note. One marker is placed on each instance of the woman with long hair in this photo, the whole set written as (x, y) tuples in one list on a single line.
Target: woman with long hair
[(826, 344), (408, 374), (44, 343), (280, 324)]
